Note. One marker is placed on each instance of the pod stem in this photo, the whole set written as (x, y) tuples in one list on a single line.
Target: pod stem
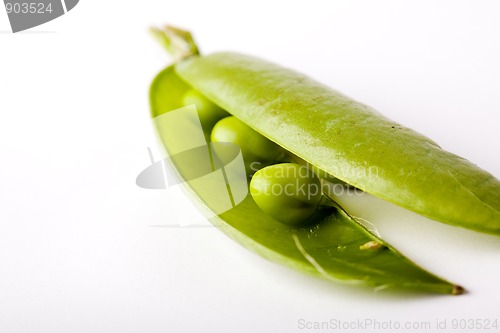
[(179, 43)]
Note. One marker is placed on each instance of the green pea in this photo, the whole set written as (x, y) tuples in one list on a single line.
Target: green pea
[(288, 192), (254, 146), (208, 112)]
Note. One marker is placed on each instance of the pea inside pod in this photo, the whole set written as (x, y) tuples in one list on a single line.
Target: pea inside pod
[(208, 112), (257, 150), (288, 192), (332, 245)]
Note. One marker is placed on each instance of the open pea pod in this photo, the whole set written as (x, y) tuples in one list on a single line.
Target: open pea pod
[(348, 140), (344, 138), (332, 246)]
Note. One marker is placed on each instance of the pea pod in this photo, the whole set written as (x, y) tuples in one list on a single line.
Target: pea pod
[(333, 245), (348, 139)]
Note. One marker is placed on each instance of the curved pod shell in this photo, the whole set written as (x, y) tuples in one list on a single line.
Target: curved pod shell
[(348, 140), (334, 246)]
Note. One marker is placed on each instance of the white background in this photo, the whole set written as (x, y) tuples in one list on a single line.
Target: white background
[(79, 250)]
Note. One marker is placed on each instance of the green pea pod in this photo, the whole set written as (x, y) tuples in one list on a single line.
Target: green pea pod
[(333, 246), (348, 140)]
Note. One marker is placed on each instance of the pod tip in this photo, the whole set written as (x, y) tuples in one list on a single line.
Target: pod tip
[(457, 290)]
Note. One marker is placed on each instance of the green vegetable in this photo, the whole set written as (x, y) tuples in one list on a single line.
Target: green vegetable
[(333, 245), (256, 148), (208, 112), (348, 140), (288, 192), (321, 174)]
